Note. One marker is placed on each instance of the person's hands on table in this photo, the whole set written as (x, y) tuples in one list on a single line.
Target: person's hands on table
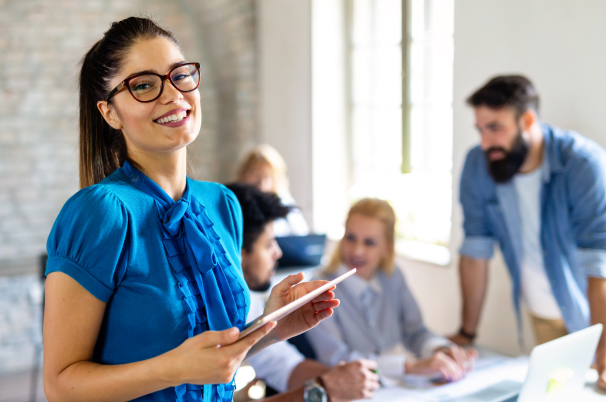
[(306, 317), (451, 362)]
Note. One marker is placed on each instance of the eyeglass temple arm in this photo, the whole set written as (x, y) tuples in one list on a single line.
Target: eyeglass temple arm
[(115, 91)]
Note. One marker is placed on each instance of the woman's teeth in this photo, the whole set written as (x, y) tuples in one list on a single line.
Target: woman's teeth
[(173, 118)]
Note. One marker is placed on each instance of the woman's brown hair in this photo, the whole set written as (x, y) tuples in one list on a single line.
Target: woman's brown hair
[(372, 208), (102, 148)]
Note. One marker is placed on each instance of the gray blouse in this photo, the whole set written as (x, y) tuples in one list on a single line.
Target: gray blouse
[(374, 318)]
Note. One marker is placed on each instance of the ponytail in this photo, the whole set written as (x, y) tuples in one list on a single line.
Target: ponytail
[(103, 148)]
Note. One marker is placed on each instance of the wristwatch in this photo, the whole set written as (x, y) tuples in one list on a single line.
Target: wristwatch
[(314, 391)]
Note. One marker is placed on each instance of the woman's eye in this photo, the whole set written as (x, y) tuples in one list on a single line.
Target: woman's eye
[(142, 86), (370, 243), (181, 77), (350, 238)]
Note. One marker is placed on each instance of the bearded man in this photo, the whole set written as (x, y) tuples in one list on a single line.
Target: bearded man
[(540, 192)]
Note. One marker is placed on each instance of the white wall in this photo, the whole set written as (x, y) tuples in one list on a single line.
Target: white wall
[(284, 45), (559, 46)]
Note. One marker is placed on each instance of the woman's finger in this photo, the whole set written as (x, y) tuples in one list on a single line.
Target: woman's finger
[(326, 304), (288, 282), (459, 356), (322, 315), (244, 344), (328, 295), (210, 339)]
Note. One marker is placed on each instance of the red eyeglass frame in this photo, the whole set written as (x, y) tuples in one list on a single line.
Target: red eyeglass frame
[(124, 84)]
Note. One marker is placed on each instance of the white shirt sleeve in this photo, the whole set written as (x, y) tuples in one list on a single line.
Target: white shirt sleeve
[(275, 363)]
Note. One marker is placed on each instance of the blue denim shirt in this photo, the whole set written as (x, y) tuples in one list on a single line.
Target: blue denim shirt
[(573, 219)]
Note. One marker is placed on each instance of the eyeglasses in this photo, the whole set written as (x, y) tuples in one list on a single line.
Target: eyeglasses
[(147, 87)]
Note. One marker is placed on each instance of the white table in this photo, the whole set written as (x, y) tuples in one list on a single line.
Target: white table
[(491, 369)]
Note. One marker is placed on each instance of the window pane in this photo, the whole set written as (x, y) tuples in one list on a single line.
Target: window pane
[(421, 199), (388, 20)]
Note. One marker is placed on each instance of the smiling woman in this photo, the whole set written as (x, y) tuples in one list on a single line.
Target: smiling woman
[(145, 295)]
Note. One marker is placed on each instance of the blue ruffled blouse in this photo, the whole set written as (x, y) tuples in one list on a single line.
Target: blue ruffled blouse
[(167, 270)]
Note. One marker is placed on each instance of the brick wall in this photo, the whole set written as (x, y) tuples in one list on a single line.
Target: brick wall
[(41, 44)]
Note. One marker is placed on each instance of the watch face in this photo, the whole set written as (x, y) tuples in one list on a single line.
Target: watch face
[(315, 395)]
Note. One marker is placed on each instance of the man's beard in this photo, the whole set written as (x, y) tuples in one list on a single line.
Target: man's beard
[(262, 287), (502, 170), (266, 285)]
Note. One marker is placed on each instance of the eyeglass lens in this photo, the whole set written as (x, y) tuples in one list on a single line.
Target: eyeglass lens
[(147, 87)]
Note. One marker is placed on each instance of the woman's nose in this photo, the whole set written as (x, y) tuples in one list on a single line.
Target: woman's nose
[(170, 93), (358, 249)]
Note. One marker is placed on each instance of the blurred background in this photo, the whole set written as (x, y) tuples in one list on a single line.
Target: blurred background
[(361, 97)]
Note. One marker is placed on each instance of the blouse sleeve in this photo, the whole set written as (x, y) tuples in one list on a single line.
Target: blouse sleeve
[(90, 241)]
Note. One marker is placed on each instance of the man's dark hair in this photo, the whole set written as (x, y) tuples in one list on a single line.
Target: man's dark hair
[(513, 91), (258, 209)]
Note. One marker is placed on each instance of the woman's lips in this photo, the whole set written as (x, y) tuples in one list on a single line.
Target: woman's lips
[(176, 123), (356, 262)]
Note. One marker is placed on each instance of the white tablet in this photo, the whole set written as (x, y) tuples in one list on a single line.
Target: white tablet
[(289, 308)]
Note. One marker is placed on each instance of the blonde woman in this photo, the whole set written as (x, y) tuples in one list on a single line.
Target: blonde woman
[(380, 313), (264, 168)]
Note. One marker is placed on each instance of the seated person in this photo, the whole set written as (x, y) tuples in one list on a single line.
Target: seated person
[(264, 168), (281, 365), (378, 312)]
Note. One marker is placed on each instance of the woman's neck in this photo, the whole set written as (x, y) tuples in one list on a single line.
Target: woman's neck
[(169, 171)]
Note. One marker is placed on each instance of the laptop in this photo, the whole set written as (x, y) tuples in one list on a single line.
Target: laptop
[(556, 371), (301, 251)]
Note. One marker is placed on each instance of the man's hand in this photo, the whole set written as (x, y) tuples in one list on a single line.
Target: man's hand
[(460, 340), (306, 317), (351, 381)]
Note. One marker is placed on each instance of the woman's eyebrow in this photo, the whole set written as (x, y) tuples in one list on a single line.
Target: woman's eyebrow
[(176, 64)]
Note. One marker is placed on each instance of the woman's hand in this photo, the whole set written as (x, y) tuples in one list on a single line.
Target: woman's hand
[(211, 357), (452, 362), (306, 317)]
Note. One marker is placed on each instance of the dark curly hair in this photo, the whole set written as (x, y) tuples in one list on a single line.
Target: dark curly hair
[(258, 209), (515, 91)]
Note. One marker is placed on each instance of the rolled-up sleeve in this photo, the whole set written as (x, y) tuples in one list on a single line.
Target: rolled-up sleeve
[(593, 262), (479, 240), (477, 247), (587, 198)]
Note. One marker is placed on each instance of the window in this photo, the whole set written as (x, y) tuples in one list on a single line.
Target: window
[(402, 151)]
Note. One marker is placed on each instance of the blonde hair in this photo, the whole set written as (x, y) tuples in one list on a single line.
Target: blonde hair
[(265, 154), (371, 208)]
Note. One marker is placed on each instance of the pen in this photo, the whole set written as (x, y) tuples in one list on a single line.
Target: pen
[(378, 372)]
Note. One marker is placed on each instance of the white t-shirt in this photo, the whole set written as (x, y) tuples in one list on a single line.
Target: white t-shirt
[(536, 289), (275, 363)]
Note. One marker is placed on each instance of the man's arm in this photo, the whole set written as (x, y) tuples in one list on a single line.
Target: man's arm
[(305, 371), (474, 280), (596, 293)]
